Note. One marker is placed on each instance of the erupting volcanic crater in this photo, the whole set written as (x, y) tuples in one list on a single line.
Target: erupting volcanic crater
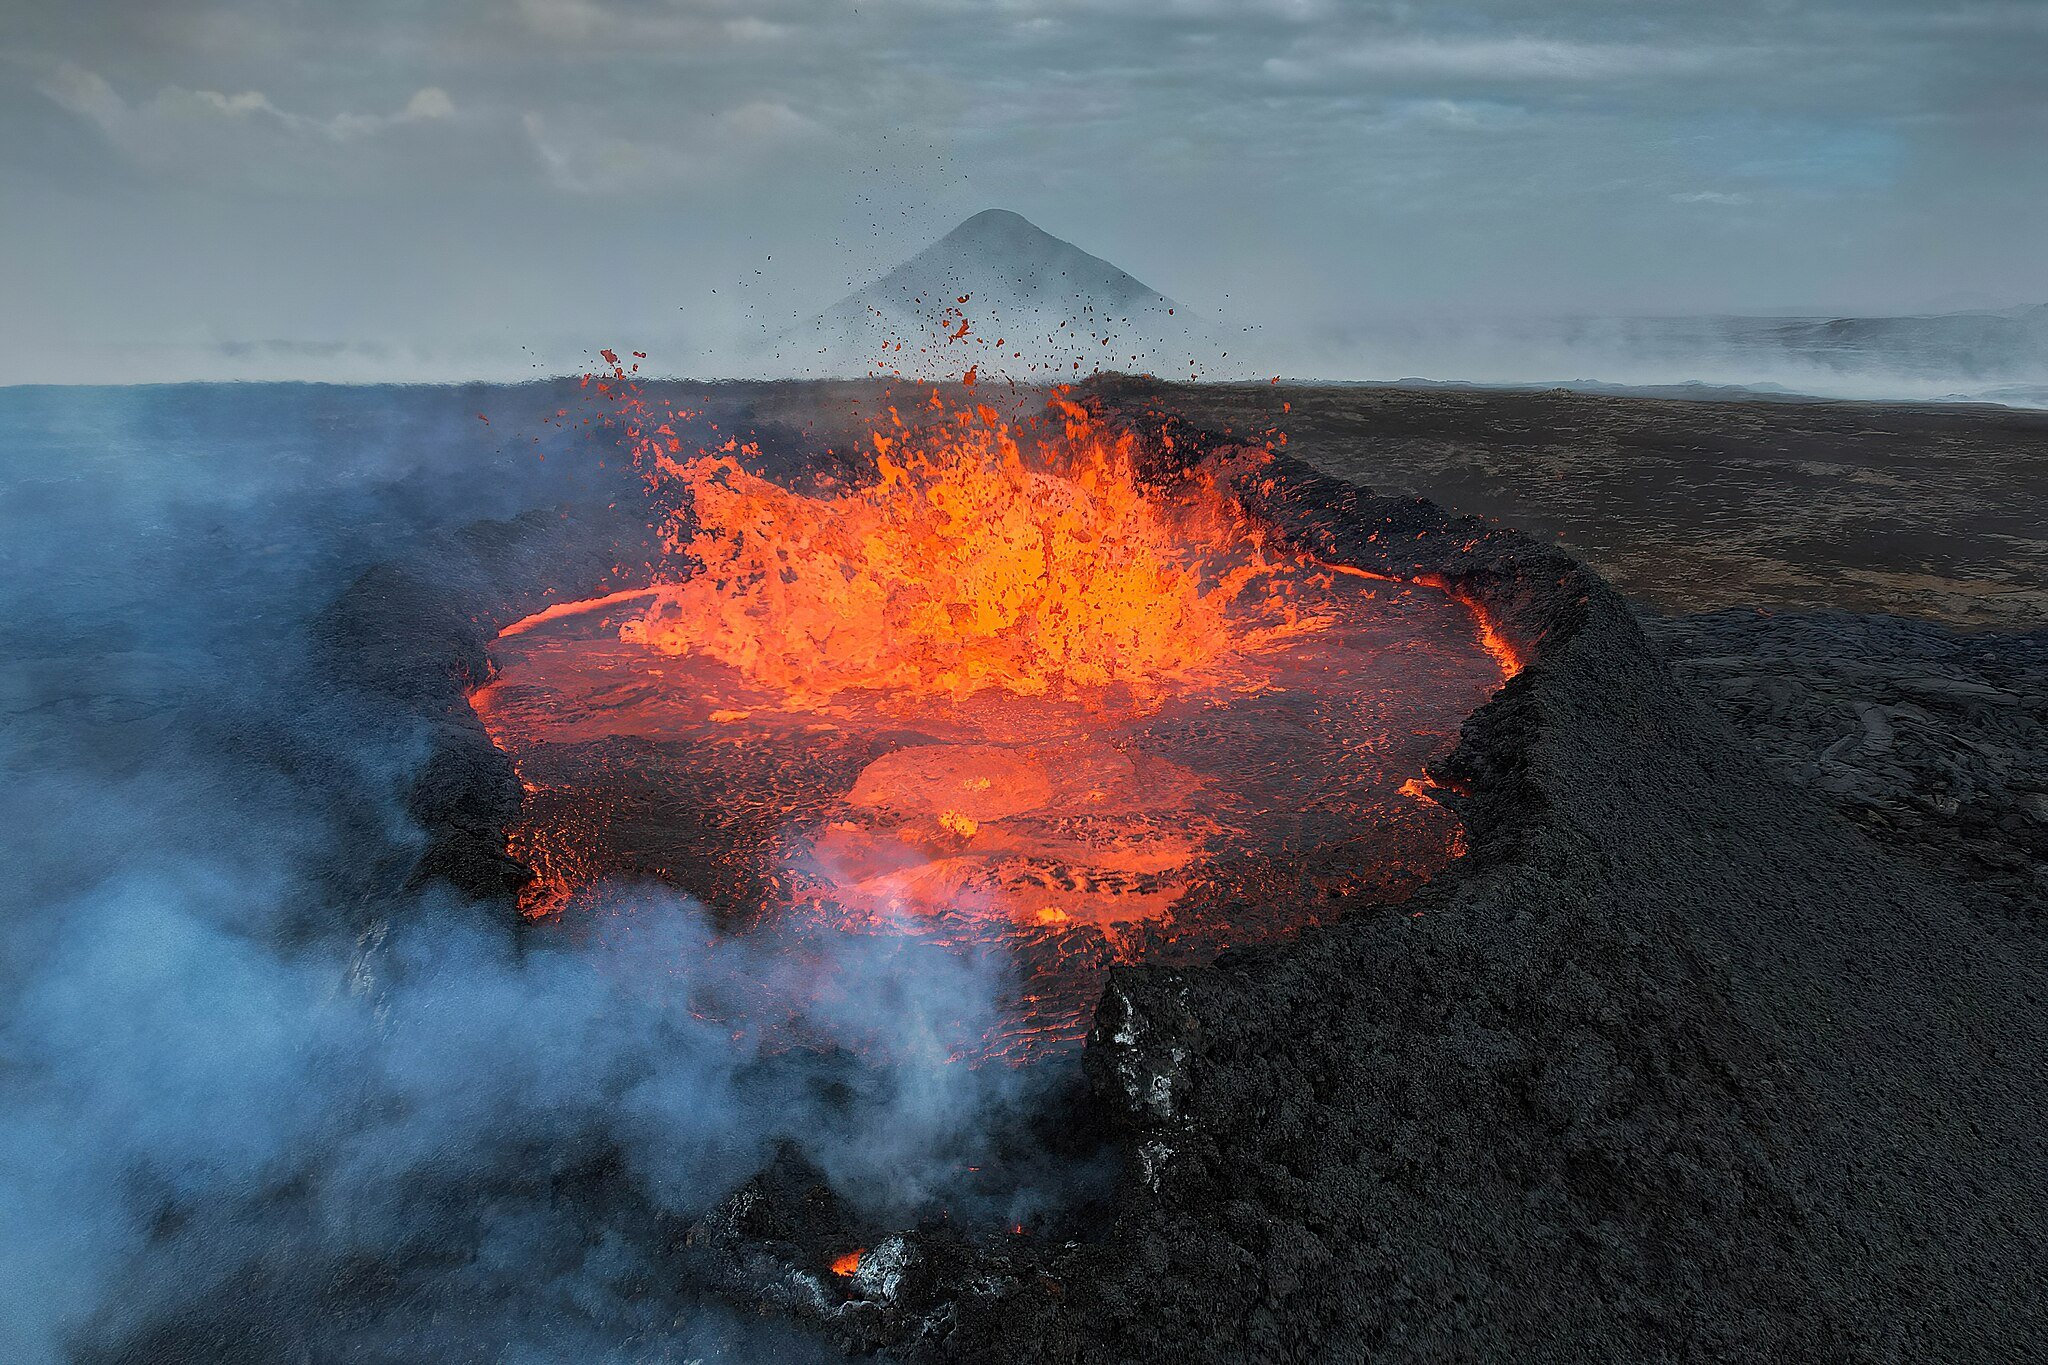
[(1042, 691)]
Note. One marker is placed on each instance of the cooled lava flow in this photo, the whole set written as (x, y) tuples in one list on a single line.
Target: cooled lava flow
[(1008, 696)]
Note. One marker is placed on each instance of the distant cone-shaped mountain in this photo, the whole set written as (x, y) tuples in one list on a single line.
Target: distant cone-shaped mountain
[(1001, 296)]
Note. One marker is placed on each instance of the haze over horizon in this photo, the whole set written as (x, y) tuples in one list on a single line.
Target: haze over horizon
[(493, 190)]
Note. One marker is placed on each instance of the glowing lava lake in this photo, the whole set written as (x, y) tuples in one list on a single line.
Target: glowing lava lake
[(1017, 693)]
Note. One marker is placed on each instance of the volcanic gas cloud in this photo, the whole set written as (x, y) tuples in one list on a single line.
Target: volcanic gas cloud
[(1038, 689)]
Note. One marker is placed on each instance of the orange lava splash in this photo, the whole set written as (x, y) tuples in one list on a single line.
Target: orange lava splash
[(1020, 695), (982, 556)]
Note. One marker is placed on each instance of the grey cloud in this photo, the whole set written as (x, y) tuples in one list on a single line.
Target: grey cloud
[(1286, 162), (173, 108), (211, 136), (590, 157), (1507, 59)]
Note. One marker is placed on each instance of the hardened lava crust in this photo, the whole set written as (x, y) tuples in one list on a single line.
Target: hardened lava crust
[(1676, 1064)]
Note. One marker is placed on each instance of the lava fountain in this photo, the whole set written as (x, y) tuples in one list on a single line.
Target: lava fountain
[(1039, 691)]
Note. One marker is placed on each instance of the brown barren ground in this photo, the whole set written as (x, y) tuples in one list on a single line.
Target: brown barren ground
[(1931, 511)]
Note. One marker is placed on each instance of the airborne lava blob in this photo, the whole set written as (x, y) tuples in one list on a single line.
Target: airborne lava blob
[(1021, 692)]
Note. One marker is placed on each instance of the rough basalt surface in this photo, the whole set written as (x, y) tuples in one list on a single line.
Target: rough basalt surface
[(1679, 1064), (1933, 741)]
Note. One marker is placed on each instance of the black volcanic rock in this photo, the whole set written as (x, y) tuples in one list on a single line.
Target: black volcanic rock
[(1677, 1065), (1932, 741)]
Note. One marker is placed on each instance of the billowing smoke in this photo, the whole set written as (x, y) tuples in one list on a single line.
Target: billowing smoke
[(1991, 355), (257, 1100)]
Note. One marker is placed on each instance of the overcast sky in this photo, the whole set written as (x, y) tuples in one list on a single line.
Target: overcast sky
[(482, 183)]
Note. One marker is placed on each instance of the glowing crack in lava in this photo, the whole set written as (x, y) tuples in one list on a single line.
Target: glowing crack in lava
[(1020, 701)]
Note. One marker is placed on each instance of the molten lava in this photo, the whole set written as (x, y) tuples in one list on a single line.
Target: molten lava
[(969, 563), (1010, 696)]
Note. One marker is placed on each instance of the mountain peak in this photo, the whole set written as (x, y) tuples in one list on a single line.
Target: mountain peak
[(1001, 294), (1002, 228), (996, 219), (1013, 262)]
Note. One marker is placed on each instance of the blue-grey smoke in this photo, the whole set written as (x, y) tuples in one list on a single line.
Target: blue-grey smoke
[(256, 1100)]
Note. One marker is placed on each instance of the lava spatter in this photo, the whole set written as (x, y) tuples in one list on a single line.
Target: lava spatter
[(1010, 696), (981, 556)]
